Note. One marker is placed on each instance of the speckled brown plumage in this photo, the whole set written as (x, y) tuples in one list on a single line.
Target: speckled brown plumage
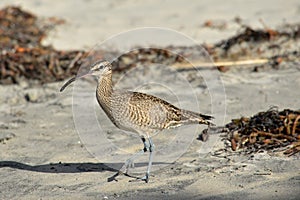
[(139, 112)]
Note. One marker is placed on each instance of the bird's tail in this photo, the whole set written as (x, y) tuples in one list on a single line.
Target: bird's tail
[(194, 117)]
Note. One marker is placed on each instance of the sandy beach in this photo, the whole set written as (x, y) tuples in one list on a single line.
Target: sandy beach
[(90, 22), (44, 153)]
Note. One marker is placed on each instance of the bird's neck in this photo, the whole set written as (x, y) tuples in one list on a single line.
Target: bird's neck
[(105, 90)]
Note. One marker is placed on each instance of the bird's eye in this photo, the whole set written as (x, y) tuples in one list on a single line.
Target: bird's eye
[(98, 68)]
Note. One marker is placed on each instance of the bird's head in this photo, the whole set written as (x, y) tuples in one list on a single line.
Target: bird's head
[(100, 68)]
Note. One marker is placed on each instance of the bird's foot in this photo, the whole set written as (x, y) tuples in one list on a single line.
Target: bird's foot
[(144, 178), (113, 178)]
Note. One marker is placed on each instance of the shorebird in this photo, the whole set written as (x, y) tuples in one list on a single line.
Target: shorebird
[(137, 112)]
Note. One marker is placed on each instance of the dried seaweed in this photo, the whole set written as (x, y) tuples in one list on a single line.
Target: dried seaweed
[(275, 47), (252, 35), (147, 55), (248, 35), (23, 56), (267, 130)]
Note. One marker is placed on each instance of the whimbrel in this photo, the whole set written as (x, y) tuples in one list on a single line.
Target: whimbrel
[(137, 112)]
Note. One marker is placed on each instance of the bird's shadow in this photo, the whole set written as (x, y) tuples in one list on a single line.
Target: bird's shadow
[(71, 167), (62, 167)]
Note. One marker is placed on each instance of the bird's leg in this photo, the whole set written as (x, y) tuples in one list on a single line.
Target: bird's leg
[(145, 144), (151, 150), (130, 162)]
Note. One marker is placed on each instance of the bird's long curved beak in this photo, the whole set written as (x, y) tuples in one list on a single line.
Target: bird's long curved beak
[(72, 80)]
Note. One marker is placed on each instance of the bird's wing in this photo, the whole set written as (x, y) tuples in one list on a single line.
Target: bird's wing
[(174, 116)]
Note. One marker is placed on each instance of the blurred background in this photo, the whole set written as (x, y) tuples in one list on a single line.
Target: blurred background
[(90, 21)]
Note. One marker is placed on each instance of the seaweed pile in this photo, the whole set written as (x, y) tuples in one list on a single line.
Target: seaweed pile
[(23, 56), (270, 130), (251, 35), (167, 56), (274, 46)]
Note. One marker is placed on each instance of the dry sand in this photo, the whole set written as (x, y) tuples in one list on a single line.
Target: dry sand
[(44, 158), (91, 21)]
